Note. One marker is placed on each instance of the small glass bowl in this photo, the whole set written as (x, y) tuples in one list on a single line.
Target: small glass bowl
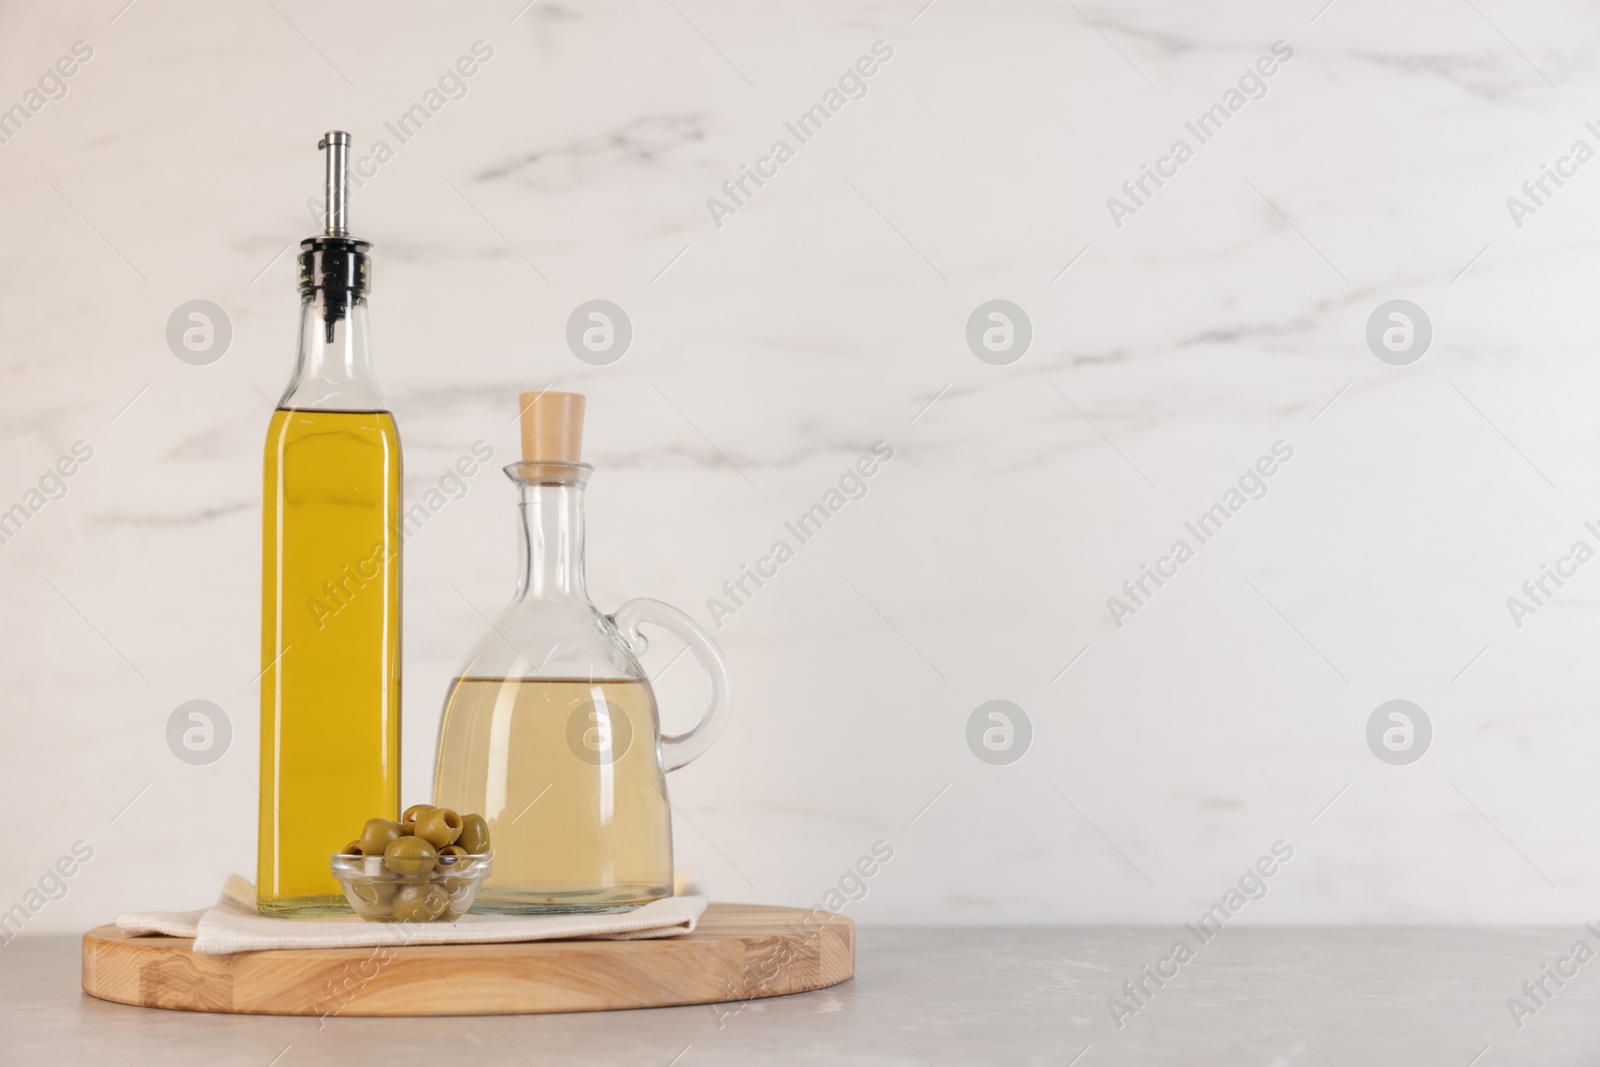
[(442, 894)]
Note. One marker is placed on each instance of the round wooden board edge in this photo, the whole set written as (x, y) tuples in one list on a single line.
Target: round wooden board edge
[(738, 952)]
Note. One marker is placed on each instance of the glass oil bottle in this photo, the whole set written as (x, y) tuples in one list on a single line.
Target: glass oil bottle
[(330, 576)]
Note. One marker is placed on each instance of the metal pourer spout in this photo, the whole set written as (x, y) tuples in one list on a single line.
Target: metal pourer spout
[(333, 263), (337, 191)]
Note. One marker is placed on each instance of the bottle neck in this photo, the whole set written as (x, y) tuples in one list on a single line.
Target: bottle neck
[(551, 566), (333, 369)]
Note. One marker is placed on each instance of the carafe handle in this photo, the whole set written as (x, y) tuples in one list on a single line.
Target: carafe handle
[(680, 749)]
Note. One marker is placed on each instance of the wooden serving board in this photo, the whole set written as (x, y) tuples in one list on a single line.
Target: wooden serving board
[(738, 952)]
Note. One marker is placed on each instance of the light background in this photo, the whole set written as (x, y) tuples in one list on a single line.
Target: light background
[(1228, 314)]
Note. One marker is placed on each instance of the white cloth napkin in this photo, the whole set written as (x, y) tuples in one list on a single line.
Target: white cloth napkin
[(233, 925)]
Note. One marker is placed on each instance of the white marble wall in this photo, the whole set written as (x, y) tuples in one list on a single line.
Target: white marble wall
[(1226, 314)]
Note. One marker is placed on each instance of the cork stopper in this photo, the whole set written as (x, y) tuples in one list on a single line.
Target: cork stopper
[(552, 427)]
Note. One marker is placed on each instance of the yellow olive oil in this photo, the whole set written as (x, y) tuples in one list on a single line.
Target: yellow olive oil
[(567, 774), (330, 647)]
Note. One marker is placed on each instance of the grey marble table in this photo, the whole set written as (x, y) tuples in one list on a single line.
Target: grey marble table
[(1014, 996)]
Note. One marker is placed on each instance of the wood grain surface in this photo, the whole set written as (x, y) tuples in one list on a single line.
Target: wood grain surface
[(738, 952)]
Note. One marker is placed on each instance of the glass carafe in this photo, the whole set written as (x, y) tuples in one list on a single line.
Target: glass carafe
[(550, 729)]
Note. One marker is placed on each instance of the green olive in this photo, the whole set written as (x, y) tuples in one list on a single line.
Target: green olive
[(474, 834), (420, 903), (439, 827), (456, 903), (352, 849), (377, 835), (408, 818), (451, 855), (409, 855), (375, 897)]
